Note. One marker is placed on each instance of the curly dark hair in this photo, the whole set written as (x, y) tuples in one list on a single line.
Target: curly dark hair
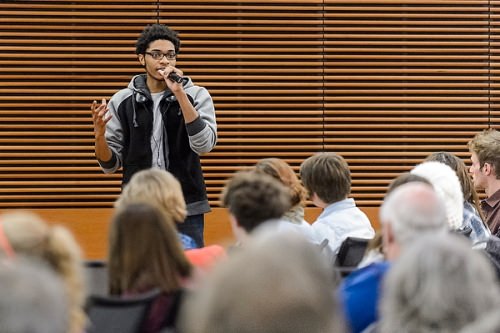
[(254, 198), (154, 32)]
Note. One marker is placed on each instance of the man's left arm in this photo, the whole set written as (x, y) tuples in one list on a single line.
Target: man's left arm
[(199, 117)]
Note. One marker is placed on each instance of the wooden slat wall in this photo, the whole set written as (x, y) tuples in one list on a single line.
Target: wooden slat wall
[(495, 61), (383, 83), (403, 79), (262, 62)]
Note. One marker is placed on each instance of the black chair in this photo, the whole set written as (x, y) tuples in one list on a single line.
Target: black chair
[(112, 314), (350, 254), (96, 276)]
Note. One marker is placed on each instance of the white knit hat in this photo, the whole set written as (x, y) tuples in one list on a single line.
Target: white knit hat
[(448, 188)]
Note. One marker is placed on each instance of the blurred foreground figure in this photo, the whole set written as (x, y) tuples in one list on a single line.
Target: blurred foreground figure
[(439, 284), (274, 284), (32, 299)]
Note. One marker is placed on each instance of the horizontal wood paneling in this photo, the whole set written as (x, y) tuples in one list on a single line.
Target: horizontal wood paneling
[(90, 226), (403, 79), (381, 82)]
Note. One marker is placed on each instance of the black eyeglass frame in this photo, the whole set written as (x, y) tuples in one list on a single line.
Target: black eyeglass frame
[(157, 55)]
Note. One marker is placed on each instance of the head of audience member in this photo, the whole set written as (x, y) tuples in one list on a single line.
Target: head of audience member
[(439, 284), (327, 178), (144, 251), (375, 245), (252, 199), (485, 157), (448, 188), (282, 171), (28, 235), (405, 178), (409, 212), (32, 298), (458, 165), (158, 188), (272, 285)]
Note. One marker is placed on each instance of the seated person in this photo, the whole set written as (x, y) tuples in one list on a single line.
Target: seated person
[(27, 234), (162, 190), (253, 199), (409, 212), (439, 284), (327, 178), (32, 298), (273, 284), (282, 171), (472, 215), (146, 254)]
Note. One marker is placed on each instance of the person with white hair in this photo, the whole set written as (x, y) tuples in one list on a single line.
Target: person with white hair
[(447, 186), (473, 217), (410, 211), (441, 285)]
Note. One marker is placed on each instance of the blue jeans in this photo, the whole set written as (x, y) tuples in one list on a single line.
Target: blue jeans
[(193, 226)]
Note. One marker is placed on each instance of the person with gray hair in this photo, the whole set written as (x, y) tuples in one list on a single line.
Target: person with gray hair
[(409, 212), (274, 284), (439, 284), (32, 298)]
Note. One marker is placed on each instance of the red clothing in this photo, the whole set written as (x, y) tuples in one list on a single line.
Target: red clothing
[(205, 257), (163, 313)]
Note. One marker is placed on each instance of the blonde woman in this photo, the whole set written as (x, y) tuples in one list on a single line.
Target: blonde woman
[(26, 234), (162, 190)]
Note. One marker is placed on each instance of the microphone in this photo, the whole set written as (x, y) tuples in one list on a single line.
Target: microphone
[(174, 77)]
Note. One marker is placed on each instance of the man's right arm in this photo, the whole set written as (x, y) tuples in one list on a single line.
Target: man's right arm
[(103, 152)]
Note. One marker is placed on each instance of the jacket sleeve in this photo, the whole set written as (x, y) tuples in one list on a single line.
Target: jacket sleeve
[(203, 131), (114, 135)]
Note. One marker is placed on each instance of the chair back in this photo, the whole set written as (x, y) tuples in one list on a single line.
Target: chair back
[(112, 314), (351, 252), (96, 276)]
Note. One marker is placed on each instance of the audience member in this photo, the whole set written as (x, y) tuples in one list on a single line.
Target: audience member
[(272, 285), (472, 215), (145, 254), (439, 284), (32, 298), (161, 189), (327, 178), (374, 251), (282, 171), (252, 199), (409, 212), (26, 234), (485, 172), (447, 186)]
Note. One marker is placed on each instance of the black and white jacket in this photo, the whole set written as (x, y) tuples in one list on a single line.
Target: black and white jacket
[(129, 132)]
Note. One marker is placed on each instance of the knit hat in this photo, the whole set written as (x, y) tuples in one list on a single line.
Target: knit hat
[(448, 188)]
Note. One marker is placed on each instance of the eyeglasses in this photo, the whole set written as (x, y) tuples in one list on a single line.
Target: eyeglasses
[(157, 55)]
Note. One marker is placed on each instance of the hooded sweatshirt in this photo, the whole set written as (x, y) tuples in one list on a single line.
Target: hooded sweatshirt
[(130, 129)]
